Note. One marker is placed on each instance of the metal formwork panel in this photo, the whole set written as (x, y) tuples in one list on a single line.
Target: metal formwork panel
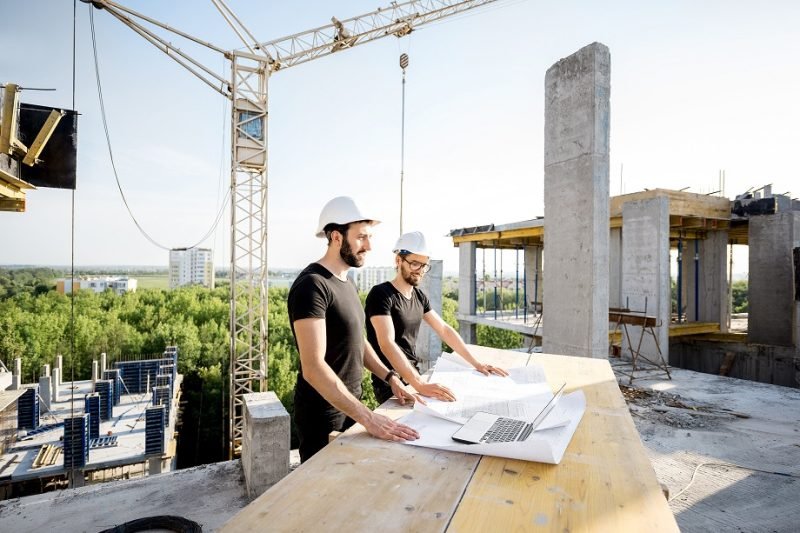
[(154, 430), (28, 409), (92, 408), (76, 441)]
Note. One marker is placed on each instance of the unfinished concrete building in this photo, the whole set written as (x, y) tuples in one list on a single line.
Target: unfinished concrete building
[(608, 259)]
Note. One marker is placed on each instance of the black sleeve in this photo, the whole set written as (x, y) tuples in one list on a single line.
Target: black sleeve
[(379, 302), (309, 298), (426, 304)]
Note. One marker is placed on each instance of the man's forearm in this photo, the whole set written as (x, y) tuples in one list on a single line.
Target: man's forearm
[(400, 363), (330, 387)]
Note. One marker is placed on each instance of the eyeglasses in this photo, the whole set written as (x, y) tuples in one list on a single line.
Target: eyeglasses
[(416, 265)]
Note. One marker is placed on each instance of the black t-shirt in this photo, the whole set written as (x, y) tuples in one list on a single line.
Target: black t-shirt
[(317, 293), (384, 299)]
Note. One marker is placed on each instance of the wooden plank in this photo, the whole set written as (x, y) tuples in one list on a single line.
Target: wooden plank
[(635, 319), (693, 328), (360, 483), (604, 483), (681, 203)]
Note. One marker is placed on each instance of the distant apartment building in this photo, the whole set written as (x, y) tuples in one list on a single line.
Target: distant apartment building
[(191, 266), (118, 284), (367, 277)]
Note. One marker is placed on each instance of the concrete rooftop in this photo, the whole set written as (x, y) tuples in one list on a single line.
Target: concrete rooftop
[(693, 419)]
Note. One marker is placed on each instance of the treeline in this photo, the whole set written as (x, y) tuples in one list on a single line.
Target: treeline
[(36, 325)]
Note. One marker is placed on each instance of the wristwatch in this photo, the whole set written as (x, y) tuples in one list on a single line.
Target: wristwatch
[(389, 376)]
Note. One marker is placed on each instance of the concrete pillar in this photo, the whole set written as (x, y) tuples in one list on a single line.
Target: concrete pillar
[(466, 290), (429, 345), (772, 290), (645, 271), (534, 276), (577, 115), (265, 442), (102, 364), (16, 378), (44, 391), (615, 268), (60, 366), (46, 370), (706, 279), (56, 378), (154, 466), (95, 372)]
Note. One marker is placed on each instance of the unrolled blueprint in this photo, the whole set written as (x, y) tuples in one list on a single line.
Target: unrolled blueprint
[(521, 395)]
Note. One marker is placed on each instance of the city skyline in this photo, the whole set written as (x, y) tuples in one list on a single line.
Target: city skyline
[(695, 89)]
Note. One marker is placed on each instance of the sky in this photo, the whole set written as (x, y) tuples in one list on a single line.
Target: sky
[(696, 88)]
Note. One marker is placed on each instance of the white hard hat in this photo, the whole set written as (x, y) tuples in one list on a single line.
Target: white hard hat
[(341, 210), (411, 243)]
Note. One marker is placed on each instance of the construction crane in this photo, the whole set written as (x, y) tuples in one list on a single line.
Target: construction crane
[(250, 70)]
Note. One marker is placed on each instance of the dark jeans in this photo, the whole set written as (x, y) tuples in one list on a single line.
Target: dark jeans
[(314, 422)]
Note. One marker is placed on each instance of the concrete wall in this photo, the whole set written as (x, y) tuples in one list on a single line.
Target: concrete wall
[(577, 115), (265, 442), (778, 365), (429, 346), (466, 289), (710, 302), (773, 307), (645, 271)]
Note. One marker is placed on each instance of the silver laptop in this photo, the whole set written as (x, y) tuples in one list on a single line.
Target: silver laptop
[(487, 428)]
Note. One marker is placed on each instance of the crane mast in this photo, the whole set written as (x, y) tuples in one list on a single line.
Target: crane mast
[(250, 69)]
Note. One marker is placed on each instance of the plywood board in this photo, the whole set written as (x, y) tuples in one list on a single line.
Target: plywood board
[(604, 483)]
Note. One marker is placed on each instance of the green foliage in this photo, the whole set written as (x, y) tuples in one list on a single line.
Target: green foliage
[(498, 338), (739, 294), (33, 281)]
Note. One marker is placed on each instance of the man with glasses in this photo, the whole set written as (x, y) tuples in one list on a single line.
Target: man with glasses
[(327, 322), (395, 309)]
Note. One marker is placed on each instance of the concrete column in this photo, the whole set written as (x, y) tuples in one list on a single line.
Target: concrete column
[(706, 279), (16, 378), (429, 345), (56, 378), (154, 466), (645, 271), (95, 372), (615, 268), (46, 370), (44, 391), (60, 366), (466, 290), (534, 276), (265, 442), (577, 115), (102, 364), (772, 291)]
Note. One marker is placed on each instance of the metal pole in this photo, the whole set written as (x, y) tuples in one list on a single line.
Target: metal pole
[(696, 280), (403, 65), (680, 279), (516, 287)]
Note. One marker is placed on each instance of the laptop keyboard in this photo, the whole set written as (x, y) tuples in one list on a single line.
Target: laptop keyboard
[(507, 430)]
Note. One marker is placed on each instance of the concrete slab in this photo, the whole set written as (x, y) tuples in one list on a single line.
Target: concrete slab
[(208, 495), (742, 435)]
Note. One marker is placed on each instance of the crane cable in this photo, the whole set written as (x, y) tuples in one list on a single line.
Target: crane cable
[(113, 164)]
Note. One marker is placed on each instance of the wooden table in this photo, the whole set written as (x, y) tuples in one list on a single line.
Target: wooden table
[(605, 481)]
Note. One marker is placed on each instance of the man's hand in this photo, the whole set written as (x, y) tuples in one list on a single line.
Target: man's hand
[(435, 390), (401, 393), (489, 369), (385, 428)]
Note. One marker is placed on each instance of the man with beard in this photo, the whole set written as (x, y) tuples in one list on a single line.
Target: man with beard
[(395, 309), (327, 322)]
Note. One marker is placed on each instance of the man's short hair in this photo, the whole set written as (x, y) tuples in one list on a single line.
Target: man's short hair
[(341, 228)]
